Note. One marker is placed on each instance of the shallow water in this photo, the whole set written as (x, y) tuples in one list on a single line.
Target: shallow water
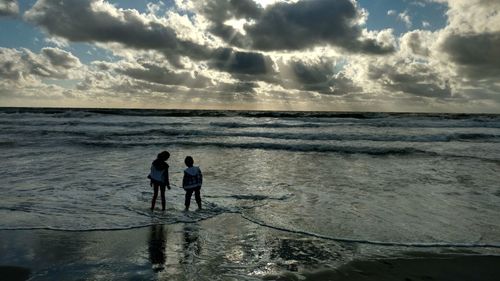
[(228, 247), (405, 178)]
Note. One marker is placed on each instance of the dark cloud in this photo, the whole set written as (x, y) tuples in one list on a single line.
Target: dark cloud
[(415, 43), (304, 24), (423, 89), (322, 77), (244, 8), (50, 63), (242, 87), (220, 11), (9, 8), (415, 79), (236, 62), (102, 65), (161, 75), (9, 66), (98, 21), (82, 21), (58, 57), (296, 26), (478, 55), (126, 86)]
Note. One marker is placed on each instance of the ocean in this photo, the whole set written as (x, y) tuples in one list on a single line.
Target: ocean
[(386, 177), (376, 179)]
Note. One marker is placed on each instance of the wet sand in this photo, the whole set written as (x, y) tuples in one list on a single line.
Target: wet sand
[(225, 247), (439, 267)]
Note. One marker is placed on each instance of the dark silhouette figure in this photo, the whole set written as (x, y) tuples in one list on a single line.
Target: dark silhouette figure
[(159, 178), (156, 247), (191, 182)]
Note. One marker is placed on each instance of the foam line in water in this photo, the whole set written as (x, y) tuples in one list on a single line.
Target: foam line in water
[(374, 242), (212, 210), (203, 132), (271, 146)]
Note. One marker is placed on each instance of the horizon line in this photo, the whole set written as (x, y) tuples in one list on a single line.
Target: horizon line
[(245, 110)]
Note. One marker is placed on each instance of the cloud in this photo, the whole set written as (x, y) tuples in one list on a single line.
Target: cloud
[(57, 41), (61, 58), (413, 78), (417, 42), (415, 72), (294, 26), (22, 65), (9, 8), (405, 17), (473, 16), (471, 39), (315, 53), (237, 62), (99, 21), (322, 76), (478, 54), (30, 79), (163, 75)]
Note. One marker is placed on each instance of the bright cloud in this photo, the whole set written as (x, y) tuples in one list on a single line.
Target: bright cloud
[(314, 54)]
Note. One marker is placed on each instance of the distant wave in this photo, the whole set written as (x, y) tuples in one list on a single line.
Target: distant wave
[(396, 123), (83, 122), (263, 125), (325, 148), (7, 143), (305, 123), (271, 146), (316, 136), (85, 112)]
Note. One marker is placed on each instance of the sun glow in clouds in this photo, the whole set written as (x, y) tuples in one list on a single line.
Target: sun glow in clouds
[(238, 24), (265, 3), (266, 54)]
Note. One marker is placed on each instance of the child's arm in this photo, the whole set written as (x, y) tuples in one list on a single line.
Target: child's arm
[(167, 180), (201, 178), (184, 180)]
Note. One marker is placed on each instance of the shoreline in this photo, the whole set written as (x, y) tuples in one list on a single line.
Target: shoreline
[(227, 247)]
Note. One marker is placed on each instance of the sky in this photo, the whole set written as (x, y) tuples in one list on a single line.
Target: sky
[(334, 55)]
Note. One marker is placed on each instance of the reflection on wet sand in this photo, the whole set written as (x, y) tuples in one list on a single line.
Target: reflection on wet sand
[(156, 247), (191, 251), (225, 248)]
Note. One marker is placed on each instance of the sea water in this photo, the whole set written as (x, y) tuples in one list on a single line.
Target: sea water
[(407, 179)]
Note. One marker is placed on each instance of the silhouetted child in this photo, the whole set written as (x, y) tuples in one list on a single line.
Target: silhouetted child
[(159, 177), (191, 182)]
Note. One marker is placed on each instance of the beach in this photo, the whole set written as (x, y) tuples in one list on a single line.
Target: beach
[(286, 195), (322, 139), (226, 248), (253, 140)]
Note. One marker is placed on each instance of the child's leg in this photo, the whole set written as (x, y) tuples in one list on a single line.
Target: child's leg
[(187, 201), (197, 196), (155, 195), (162, 189)]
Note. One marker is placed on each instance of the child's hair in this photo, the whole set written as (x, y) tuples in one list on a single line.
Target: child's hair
[(164, 155), (189, 161)]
